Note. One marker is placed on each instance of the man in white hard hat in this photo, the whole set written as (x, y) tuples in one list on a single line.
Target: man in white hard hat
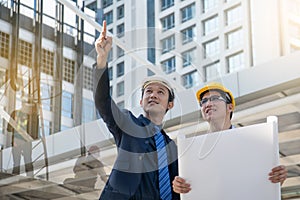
[(217, 105), (136, 173)]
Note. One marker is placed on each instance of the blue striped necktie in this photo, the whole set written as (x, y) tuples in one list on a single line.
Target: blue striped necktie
[(163, 171)]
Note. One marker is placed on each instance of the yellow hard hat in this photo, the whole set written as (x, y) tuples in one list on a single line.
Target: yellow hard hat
[(215, 86)]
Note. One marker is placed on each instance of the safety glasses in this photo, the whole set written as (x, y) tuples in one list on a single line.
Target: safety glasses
[(214, 98)]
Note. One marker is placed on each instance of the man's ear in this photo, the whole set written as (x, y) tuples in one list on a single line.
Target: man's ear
[(170, 105), (141, 102), (230, 107)]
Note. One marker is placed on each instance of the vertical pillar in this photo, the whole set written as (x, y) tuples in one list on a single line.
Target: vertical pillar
[(34, 92), (13, 64), (79, 72), (58, 68), (79, 79)]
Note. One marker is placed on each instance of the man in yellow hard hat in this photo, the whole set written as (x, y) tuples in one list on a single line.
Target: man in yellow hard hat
[(217, 105)]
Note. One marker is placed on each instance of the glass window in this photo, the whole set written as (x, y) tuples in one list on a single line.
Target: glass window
[(47, 62), (4, 45), (120, 30), (46, 96), (120, 12), (120, 89), (233, 15), (110, 73), (88, 110), (87, 78), (211, 48), (209, 4), (25, 53), (234, 38), (166, 4), (150, 73), (235, 62), (120, 52), (67, 104), (210, 25), (106, 3), (168, 22), (188, 57), (68, 70), (188, 34), (109, 17), (169, 65), (168, 44), (47, 128), (110, 55), (190, 79), (92, 6), (120, 69), (212, 71), (188, 12)]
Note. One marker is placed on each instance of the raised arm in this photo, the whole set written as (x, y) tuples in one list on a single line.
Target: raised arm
[(101, 81), (105, 105), (103, 46)]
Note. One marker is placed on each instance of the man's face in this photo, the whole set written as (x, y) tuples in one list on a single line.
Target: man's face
[(215, 109), (155, 99)]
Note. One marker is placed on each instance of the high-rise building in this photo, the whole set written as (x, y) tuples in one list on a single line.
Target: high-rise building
[(193, 42)]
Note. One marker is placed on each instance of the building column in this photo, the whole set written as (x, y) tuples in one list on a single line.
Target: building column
[(34, 90), (79, 70), (58, 68)]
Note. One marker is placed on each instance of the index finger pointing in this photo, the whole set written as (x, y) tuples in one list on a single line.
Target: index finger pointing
[(104, 28)]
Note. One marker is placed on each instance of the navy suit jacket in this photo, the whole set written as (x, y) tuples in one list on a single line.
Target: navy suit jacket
[(135, 174)]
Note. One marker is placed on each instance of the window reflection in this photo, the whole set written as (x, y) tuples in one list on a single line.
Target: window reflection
[(67, 104)]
